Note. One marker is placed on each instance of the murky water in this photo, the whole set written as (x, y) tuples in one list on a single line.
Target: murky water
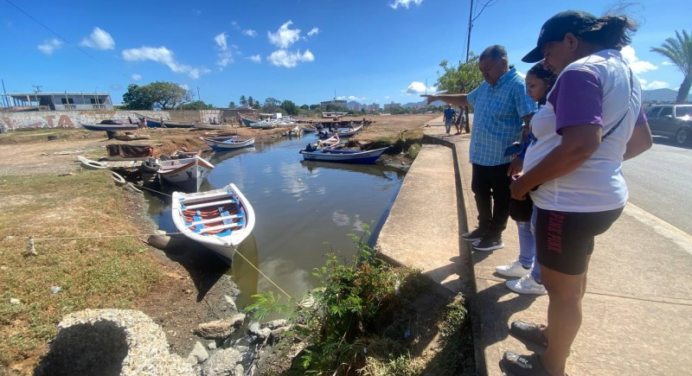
[(299, 206)]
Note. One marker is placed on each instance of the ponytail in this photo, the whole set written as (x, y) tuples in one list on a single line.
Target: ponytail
[(611, 32)]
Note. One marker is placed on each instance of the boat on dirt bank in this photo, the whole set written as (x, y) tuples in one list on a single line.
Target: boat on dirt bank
[(187, 173), (109, 126), (230, 143), (153, 123), (219, 219), (343, 155)]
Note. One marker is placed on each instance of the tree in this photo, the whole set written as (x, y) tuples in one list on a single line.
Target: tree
[(305, 107), (243, 101), (250, 101), (156, 95), (679, 51), (271, 105), (314, 107), (197, 105), (461, 78), (289, 107), (137, 98), (232, 105)]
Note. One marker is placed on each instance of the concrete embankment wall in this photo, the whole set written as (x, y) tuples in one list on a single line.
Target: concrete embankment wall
[(69, 119)]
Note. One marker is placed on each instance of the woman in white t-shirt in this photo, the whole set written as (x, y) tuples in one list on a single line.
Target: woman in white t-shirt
[(592, 122)]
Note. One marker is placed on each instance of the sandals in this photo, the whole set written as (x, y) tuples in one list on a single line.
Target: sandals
[(513, 364), (530, 335)]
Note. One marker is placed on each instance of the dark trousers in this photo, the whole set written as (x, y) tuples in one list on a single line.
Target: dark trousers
[(490, 185)]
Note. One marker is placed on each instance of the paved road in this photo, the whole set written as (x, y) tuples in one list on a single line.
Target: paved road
[(660, 182)]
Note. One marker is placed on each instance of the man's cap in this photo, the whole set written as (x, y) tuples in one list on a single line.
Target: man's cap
[(556, 27)]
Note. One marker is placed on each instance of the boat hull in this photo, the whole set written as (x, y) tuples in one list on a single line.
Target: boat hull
[(109, 127), (343, 156), (188, 173), (222, 230), (229, 144)]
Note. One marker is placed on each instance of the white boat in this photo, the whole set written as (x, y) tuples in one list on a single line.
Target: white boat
[(350, 132), (231, 143), (331, 142), (219, 219), (343, 156), (187, 173)]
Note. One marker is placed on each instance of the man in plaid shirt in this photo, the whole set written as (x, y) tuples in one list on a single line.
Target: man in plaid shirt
[(501, 108)]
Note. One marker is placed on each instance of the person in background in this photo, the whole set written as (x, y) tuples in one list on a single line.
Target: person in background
[(501, 108), (592, 122), (539, 81), (449, 115)]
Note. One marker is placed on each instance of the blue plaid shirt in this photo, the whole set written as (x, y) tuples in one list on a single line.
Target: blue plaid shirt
[(497, 118)]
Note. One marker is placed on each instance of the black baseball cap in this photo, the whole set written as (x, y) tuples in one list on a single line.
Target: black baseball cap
[(556, 27)]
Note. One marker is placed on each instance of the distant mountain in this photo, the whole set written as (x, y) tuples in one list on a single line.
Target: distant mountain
[(422, 103), (661, 95)]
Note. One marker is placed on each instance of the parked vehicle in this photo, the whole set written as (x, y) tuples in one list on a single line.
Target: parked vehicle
[(671, 120)]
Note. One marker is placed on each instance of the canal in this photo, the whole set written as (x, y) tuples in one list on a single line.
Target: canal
[(304, 210)]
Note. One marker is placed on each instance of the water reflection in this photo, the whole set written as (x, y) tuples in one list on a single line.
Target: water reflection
[(299, 206)]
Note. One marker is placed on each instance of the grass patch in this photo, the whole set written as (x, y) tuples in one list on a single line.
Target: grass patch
[(32, 135), (91, 273)]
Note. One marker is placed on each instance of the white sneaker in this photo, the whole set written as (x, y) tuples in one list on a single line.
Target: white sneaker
[(526, 285), (513, 269)]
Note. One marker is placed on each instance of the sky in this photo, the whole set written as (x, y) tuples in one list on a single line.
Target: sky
[(306, 51)]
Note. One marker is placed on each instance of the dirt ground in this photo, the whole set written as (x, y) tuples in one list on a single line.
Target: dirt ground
[(191, 294)]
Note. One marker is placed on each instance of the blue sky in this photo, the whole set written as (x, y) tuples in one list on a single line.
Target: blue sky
[(371, 51)]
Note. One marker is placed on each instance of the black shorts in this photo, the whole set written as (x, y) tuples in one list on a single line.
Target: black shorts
[(564, 240)]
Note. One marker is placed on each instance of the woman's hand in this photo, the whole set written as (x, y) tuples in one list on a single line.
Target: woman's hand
[(515, 167), (519, 189)]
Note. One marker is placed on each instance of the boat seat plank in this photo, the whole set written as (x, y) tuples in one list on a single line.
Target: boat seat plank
[(207, 204), (221, 227), (200, 221)]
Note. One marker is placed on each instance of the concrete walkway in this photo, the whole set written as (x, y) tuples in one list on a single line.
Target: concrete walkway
[(638, 306)]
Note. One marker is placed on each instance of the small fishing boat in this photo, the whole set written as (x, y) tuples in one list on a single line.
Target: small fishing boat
[(293, 132), (230, 143), (262, 125), (219, 219), (188, 173), (331, 142), (342, 155), (350, 132), (109, 126), (307, 129), (211, 126), (153, 123)]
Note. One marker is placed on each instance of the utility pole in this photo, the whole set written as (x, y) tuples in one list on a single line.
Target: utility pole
[(199, 97), (468, 36)]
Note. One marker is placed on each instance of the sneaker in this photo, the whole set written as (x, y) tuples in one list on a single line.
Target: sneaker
[(474, 235), (487, 244), (526, 285), (513, 364), (530, 335), (514, 269)]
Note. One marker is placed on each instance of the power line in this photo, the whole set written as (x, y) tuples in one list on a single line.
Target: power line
[(61, 37)]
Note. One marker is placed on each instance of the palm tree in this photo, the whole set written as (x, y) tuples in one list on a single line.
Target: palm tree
[(679, 51)]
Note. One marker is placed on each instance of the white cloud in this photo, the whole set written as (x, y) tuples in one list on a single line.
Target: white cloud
[(185, 86), (136, 77), (352, 98), (250, 33), (50, 45), (638, 66), (313, 31), (283, 58), (164, 56), (225, 56), (404, 3), (284, 37), (419, 88), (653, 85), (667, 63), (255, 58), (99, 39), (386, 97), (235, 25)]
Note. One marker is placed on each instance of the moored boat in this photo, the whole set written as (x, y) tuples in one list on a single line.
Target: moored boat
[(153, 123), (230, 143), (188, 173), (342, 155), (109, 126), (219, 219), (350, 132)]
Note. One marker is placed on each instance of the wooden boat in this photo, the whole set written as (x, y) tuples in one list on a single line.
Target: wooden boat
[(212, 126), (109, 126), (188, 173), (308, 129), (231, 143), (262, 125), (219, 219), (342, 155), (293, 132), (350, 132), (246, 122), (152, 123), (331, 142)]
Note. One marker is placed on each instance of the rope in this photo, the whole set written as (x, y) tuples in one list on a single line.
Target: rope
[(153, 190), (265, 276), (102, 236)]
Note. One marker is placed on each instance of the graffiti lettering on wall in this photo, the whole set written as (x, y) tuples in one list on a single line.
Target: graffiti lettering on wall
[(48, 121)]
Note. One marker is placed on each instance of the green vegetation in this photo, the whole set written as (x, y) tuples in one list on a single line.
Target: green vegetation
[(678, 50), (156, 95), (360, 321), (461, 78), (66, 216)]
